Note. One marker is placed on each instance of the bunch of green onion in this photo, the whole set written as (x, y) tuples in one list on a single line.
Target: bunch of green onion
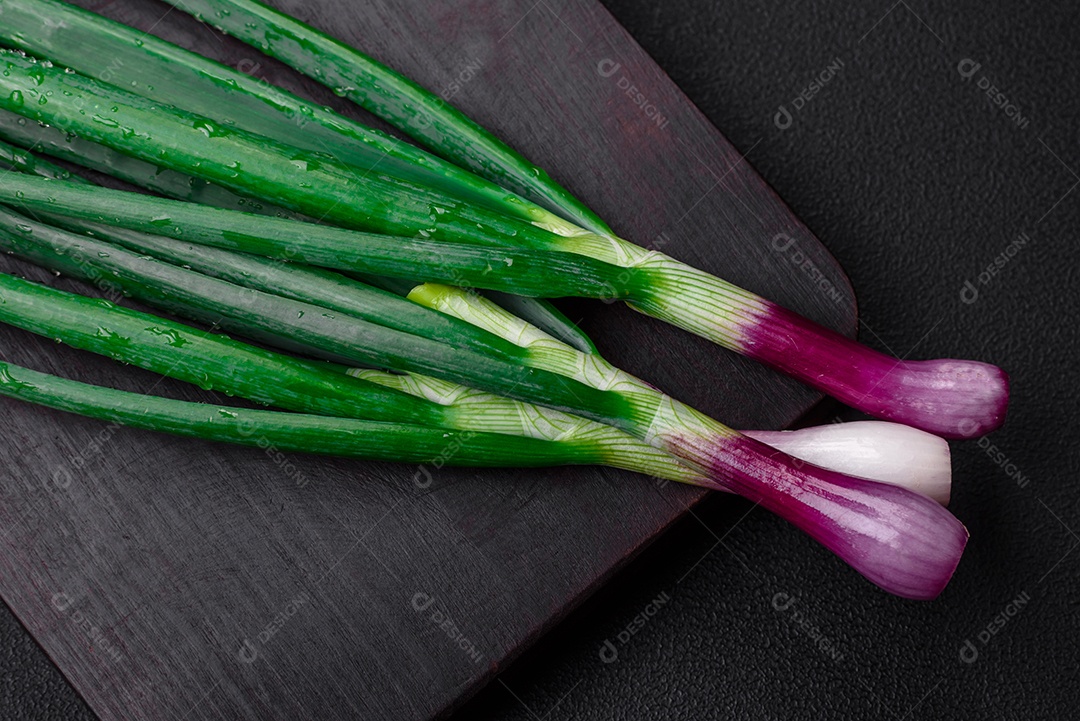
[(384, 347)]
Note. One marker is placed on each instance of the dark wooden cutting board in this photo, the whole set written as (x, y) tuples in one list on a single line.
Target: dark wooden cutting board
[(170, 578)]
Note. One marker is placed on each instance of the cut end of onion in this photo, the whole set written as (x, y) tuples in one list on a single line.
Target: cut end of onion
[(876, 450)]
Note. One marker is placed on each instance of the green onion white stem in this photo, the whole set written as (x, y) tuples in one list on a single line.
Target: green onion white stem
[(888, 452)]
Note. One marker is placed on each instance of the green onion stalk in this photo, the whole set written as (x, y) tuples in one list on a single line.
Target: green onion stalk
[(162, 71), (215, 362), (165, 72), (901, 540), (947, 397), (295, 280), (521, 270), (403, 103), (294, 432), (23, 161), (29, 134)]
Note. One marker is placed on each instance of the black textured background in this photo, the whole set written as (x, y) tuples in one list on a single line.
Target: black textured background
[(916, 182)]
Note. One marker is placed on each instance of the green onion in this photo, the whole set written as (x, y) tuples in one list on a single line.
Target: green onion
[(208, 360), (949, 397), (309, 182), (215, 362), (178, 185), (268, 317), (898, 539), (290, 432), (888, 452), (312, 285), (917, 566), (13, 158), (66, 146), (522, 271), (392, 97), (304, 283), (482, 325), (293, 432), (212, 361), (967, 399), (167, 73)]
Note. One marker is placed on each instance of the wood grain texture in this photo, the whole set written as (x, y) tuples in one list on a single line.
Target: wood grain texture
[(170, 578)]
